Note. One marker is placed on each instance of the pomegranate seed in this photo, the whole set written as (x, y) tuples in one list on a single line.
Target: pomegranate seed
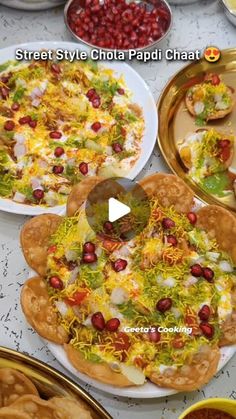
[(96, 102), (56, 283), (192, 217), (167, 223), (117, 147), (108, 226), (112, 325), (121, 91), (196, 270), (4, 91), (33, 124), (56, 135), (57, 170), (90, 258), (98, 321), (91, 93), (172, 240), (208, 274), (55, 68), (15, 106), (83, 167), (204, 313), (119, 265), (207, 329), (164, 304), (89, 247), (154, 336), (38, 194), (25, 120), (59, 151), (9, 125), (96, 126)]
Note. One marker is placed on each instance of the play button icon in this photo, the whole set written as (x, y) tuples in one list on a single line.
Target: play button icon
[(117, 208)]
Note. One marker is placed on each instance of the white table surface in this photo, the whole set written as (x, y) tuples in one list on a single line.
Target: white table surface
[(195, 26)]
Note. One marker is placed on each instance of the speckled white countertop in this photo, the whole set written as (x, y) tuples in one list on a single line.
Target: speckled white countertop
[(195, 26)]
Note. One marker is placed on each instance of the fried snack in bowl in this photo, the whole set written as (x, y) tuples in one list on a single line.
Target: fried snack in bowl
[(9, 413), (157, 307), (35, 237), (14, 384), (209, 100), (73, 408)]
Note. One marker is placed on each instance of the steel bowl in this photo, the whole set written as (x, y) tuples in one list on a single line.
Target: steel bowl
[(148, 47), (230, 13)]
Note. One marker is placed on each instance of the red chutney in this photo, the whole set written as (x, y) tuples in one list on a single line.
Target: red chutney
[(208, 414)]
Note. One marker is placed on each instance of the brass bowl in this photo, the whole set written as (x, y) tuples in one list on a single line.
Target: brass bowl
[(48, 381), (148, 47)]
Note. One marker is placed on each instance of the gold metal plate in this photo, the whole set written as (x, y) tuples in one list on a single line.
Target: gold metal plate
[(175, 122), (48, 381)]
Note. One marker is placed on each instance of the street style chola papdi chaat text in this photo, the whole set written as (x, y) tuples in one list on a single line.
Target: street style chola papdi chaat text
[(179, 271)]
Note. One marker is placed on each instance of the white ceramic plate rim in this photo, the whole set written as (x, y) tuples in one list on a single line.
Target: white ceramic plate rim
[(148, 390), (141, 95)]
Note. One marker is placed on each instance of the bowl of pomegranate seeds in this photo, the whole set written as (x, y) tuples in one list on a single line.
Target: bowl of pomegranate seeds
[(118, 24)]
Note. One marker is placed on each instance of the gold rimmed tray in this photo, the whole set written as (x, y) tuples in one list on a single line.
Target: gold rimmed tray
[(175, 122), (48, 381)]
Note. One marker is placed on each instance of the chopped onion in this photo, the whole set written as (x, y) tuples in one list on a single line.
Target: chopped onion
[(61, 307), (73, 276), (51, 199), (119, 295), (19, 150), (19, 138), (71, 255), (19, 197), (199, 108), (225, 266), (169, 282), (36, 183)]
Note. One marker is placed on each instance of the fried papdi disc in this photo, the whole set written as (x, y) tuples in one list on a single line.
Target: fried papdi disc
[(228, 328), (101, 371), (39, 311), (216, 115), (14, 384), (37, 408), (191, 376), (79, 194), (73, 408), (220, 225), (9, 413), (35, 237), (169, 190)]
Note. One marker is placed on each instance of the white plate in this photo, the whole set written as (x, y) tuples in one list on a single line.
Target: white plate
[(148, 390), (141, 95), (32, 4)]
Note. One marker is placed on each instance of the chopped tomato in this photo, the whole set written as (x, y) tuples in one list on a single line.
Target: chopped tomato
[(225, 153), (139, 362), (178, 342), (52, 249), (77, 298)]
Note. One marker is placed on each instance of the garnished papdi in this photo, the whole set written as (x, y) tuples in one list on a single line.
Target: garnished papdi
[(209, 100), (156, 307)]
